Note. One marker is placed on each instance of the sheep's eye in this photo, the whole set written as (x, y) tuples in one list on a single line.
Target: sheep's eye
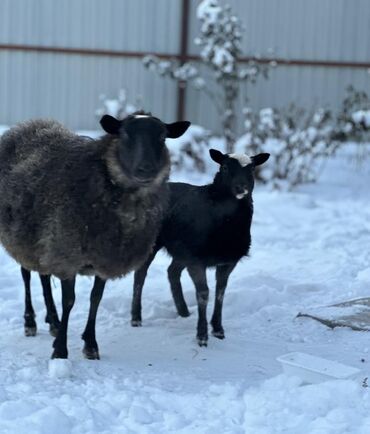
[(224, 169)]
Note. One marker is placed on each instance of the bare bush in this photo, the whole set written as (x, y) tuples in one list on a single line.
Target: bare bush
[(298, 142), (220, 48)]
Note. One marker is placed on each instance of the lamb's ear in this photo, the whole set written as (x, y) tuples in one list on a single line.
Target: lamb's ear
[(217, 156), (110, 124), (259, 159), (177, 129)]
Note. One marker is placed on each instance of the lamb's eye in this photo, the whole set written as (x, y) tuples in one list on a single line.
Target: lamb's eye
[(224, 169)]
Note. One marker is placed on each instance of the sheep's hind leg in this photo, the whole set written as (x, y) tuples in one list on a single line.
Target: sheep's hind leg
[(199, 277), (91, 350), (174, 274), (30, 327), (139, 279), (51, 311), (68, 299), (222, 275)]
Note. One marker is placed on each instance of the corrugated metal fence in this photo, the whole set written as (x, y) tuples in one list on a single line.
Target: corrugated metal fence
[(66, 85)]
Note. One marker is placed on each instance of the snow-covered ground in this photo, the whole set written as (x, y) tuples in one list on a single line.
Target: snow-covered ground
[(310, 248)]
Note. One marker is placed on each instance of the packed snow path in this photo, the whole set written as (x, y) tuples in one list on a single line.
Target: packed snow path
[(310, 248)]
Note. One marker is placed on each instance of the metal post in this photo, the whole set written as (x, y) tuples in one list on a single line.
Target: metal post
[(183, 57)]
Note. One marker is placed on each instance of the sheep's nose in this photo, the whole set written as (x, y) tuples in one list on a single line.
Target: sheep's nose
[(240, 188), (146, 167), (146, 170)]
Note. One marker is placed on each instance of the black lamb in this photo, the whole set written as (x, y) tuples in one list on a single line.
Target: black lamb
[(206, 226), (71, 206)]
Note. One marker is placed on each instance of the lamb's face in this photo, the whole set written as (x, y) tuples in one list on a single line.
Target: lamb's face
[(236, 173), (142, 152)]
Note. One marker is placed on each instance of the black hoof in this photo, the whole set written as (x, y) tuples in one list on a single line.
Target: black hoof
[(184, 313), (136, 323), (219, 334), (53, 330), (59, 354), (91, 353), (202, 342), (30, 331)]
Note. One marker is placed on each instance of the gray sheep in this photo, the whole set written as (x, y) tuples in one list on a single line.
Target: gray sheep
[(75, 206)]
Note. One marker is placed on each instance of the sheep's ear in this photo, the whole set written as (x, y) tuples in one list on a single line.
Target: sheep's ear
[(217, 156), (259, 159), (110, 124), (177, 129)]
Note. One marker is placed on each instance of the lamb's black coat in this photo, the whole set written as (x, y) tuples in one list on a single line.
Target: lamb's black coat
[(205, 226), (75, 206)]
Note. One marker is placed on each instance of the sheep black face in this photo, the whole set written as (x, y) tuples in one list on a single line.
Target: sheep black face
[(236, 175), (142, 152)]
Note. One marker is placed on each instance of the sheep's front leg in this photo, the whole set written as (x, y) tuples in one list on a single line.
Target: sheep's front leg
[(174, 273), (222, 275), (30, 327), (139, 279), (91, 350), (51, 311), (199, 277), (68, 300)]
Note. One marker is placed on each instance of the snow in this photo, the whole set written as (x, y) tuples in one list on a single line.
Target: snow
[(209, 10), (223, 59), (220, 36), (364, 275), (267, 117), (3, 128), (186, 71), (361, 116), (60, 368), (310, 248)]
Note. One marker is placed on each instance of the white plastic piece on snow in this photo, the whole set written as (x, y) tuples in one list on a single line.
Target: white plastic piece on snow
[(312, 369), (60, 368)]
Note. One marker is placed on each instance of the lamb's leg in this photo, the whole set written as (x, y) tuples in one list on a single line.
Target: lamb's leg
[(51, 311), (199, 277), (222, 275), (68, 299), (139, 279), (91, 350), (30, 326), (174, 273)]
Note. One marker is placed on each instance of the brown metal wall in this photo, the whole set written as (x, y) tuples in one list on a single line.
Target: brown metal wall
[(324, 45)]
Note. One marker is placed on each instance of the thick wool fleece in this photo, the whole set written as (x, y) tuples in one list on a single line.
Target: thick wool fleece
[(65, 208)]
